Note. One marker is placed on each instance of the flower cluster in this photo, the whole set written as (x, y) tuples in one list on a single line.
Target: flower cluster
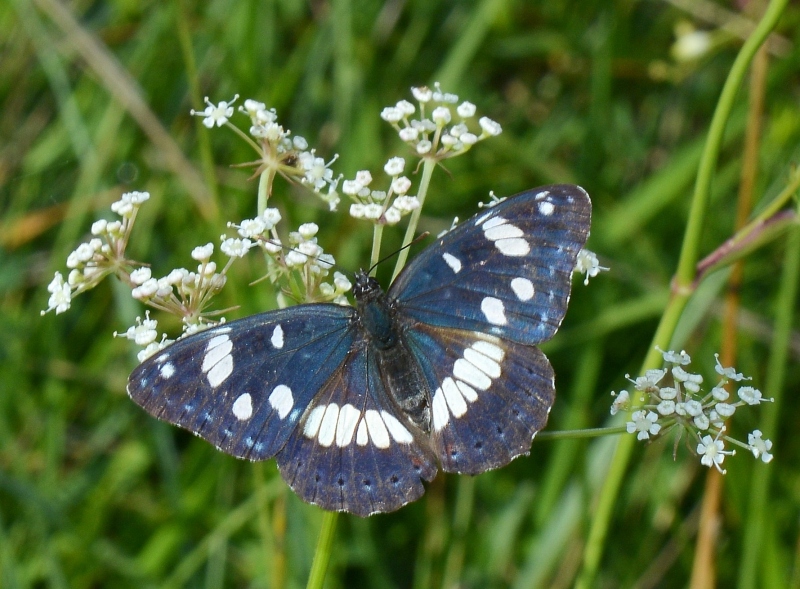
[(443, 129), (682, 405), (102, 255), (278, 151), (301, 257), (381, 206)]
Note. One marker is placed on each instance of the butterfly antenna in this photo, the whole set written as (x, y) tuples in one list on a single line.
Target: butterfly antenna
[(416, 240)]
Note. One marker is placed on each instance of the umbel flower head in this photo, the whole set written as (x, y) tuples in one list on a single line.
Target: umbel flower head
[(681, 405)]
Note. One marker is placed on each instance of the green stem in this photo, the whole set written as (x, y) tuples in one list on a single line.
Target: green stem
[(759, 511), (324, 549), (682, 287), (377, 235), (265, 181), (428, 165), (708, 160), (576, 434)]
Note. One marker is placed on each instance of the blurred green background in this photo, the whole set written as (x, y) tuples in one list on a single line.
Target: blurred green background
[(94, 101)]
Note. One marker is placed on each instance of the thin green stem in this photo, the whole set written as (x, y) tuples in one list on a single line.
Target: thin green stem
[(576, 434), (377, 235), (265, 181), (708, 160), (322, 556), (682, 287), (758, 512), (428, 165)]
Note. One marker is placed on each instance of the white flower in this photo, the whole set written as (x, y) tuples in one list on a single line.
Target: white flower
[(681, 357), (423, 94), (391, 114), (308, 230), (701, 422), (441, 115), (725, 410), (424, 147), (363, 177), (144, 332), (489, 126), (145, 290), (295, 258), (759, 447), (667, 392), (406, 204), (719, 393), (392, 216), (252, 227), (140, 275), (586, 263), (401, 185), (394, 167), (666, 407), (271, 217), (253, 108), (693, 408), (729, 373), (466, 110), (357, 211), (649, 381), (644, 423), (351, 187), (216, 114), (405, 107), (373, 211), (341, 282), (202, 253), (713, 452), (620, 401), (99, 227), (408, 134), (468, 138), (235, 248), (60, 295), (750, 395), (299, 143)]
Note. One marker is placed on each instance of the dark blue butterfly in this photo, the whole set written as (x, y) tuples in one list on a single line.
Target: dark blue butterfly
[(360, 405)]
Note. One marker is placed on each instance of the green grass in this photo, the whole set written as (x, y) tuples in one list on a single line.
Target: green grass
[(95, 102)]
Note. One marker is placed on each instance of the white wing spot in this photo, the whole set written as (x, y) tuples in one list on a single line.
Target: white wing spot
[(494, 311), (542, 194), (243, 407), (440, 413), (523, 288), (493, 223), (277, 337), (346, 426), (281, 400), (377, 429), (505, 231), (455, 402), (362, 438), (218, 362), (466, 371), (314, 420), (468, 392), (453, 262), (167, 370), (327, 429), (514, 247), (483, 363), (546, 208), (399, 432), (221, 370), (494, 352)]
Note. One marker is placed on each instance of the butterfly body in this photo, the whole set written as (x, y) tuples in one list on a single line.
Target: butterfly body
[(360, 405)]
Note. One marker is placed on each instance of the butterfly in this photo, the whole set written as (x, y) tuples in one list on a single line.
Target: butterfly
[(360, 405)]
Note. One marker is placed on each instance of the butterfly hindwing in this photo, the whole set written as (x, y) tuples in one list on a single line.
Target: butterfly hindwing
[(352, 450), (506, 271), (490, 397), (244, 385)]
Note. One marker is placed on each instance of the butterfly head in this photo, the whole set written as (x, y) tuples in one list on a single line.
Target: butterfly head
[(366, 288)]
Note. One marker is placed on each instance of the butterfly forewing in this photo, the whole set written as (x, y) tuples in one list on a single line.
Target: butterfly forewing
[(506, 272), (353, 451), (244, 386)]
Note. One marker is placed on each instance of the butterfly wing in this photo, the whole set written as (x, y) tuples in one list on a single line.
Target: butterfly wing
[(490, 396), (244, 385), (506, 272), (353, 451)]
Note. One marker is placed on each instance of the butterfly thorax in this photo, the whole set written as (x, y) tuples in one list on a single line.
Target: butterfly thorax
[(401, 373)]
